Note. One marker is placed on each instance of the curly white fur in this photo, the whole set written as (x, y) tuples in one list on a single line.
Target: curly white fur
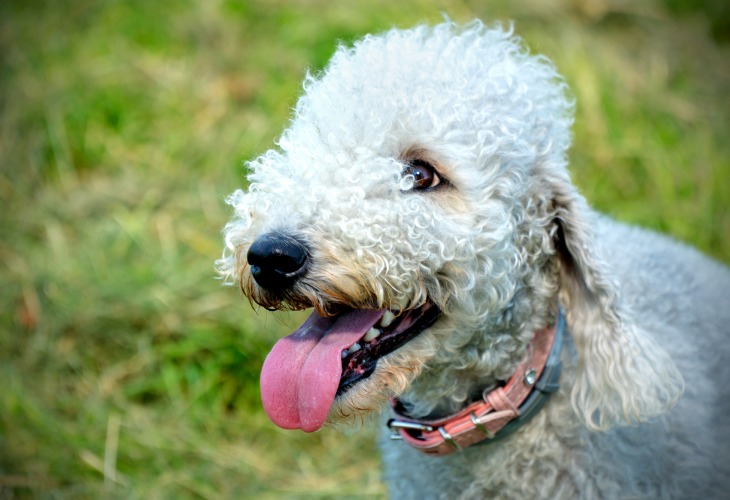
[(495, 250)]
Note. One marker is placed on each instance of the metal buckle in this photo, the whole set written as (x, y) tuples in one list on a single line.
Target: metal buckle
[(395, 425)]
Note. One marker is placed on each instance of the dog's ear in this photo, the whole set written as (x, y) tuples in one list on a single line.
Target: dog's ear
[(622, 375)]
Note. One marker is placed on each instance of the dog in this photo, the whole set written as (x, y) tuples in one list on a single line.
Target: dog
[(518, 344)]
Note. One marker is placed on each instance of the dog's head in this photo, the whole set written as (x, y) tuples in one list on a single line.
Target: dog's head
[(415, 203)]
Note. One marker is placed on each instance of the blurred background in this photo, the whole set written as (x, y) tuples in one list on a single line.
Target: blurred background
[(126, 369)]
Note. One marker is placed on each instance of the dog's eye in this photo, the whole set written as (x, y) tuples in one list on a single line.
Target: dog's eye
[(424, 175)]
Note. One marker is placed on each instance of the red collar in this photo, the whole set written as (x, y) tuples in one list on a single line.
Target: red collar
[(500, 411)]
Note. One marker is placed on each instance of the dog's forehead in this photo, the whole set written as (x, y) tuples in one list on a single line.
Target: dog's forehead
[(472, 101), (477, 88), (374, 95)]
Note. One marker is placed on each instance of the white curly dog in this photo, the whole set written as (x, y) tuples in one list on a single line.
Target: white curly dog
[(419, 201)]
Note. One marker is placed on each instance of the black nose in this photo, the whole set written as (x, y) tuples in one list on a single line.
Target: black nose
[(277, 260)]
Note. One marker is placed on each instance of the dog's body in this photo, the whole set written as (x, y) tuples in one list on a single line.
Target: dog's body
[(425, 174)]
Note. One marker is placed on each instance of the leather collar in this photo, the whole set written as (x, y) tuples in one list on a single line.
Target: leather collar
[(501, 410)]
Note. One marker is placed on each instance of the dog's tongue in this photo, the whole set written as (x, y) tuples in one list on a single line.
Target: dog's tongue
[(301, 374)]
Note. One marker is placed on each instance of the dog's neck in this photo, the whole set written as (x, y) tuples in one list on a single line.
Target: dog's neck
[(490, 358), (499, 411)]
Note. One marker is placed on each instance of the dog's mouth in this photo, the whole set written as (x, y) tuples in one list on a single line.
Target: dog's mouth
[(326, 357)]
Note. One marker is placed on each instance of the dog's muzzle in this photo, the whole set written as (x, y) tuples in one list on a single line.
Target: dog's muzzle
[(277, 260)]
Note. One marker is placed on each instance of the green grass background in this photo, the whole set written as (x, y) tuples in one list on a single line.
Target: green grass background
[(126, 369)]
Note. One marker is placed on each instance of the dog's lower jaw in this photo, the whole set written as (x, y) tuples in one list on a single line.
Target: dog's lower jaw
[(391, 378)]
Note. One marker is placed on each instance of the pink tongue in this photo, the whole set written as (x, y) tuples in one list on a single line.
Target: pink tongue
[(301, 374)]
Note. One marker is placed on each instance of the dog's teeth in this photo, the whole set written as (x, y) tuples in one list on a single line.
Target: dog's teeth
[(372, 334), (387, 319), (353, 348), (344, 354)]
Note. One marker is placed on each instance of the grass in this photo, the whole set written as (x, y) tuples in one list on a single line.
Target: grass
[(126, 369)]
